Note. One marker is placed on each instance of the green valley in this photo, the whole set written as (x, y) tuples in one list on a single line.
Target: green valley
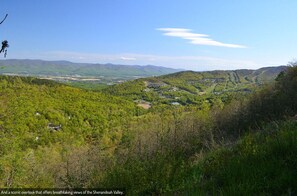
[(80, 74)]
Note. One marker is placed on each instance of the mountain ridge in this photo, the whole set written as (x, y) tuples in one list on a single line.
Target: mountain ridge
[(190, 87), (42, 67)]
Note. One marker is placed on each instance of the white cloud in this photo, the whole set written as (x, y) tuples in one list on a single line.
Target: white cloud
[(195, 38), (128, 58)]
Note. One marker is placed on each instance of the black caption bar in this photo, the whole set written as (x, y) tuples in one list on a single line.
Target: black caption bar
[(34, 191)]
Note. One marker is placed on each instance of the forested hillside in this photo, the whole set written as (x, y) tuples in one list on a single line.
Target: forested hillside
[(43, 123), (53, 135), (193, 88)]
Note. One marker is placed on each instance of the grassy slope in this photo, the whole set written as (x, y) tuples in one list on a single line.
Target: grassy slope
[(261, 163)]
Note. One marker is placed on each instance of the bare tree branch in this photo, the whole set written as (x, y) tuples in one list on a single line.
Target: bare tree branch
[(4, 19)]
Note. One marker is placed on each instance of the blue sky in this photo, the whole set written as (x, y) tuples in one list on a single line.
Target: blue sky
[(188, 34)]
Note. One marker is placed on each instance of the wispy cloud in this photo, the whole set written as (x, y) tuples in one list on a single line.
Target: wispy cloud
[(195, 38), (128, 58)]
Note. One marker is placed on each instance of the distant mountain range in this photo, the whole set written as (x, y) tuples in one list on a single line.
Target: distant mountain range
[(63, 68)]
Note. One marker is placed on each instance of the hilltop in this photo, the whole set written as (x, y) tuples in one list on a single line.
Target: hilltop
[(190, 87), (218, 81)]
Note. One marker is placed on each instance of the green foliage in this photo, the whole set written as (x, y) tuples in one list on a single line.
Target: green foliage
[(159, 174), (88, 85), (36, 114)]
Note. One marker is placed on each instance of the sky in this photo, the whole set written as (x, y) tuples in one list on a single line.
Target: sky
[(188, 34)]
